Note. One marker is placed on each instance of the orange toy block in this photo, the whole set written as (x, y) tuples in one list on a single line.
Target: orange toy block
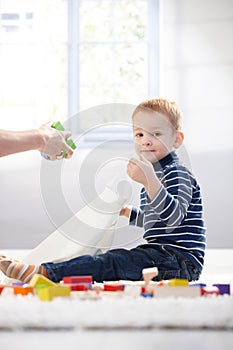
[(23, 290)]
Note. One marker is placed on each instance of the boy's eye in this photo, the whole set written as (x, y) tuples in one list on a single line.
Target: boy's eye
[(156, 134), (139, 134)]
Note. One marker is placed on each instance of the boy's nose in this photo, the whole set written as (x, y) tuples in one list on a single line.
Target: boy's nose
[(146, 141)]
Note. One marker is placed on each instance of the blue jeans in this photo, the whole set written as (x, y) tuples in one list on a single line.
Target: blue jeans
[(123, 264)]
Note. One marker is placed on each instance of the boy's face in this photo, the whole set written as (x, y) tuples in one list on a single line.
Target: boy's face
[(154, 136)]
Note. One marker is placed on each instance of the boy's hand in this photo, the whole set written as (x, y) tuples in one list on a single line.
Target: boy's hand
[(125, 211), (140, 170)]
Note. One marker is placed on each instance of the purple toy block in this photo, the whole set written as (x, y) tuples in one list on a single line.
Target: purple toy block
[(223, 288), (20, 284)]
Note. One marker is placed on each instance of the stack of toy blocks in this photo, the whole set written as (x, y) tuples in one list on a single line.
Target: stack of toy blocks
[(46, 289), (84, 287)]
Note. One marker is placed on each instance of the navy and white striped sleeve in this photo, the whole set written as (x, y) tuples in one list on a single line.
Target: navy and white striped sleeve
[(171, 203), (136, 217)]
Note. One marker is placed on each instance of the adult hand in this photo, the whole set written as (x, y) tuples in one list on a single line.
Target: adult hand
[(53, 142)]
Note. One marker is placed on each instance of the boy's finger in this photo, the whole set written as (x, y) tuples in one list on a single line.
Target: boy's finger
[(133, 161)]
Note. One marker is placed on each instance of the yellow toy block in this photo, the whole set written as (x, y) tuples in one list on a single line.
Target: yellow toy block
[(48, 293), (178, 282), (39, 280)]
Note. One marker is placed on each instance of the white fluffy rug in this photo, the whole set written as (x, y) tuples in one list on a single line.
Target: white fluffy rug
[(28, 312)]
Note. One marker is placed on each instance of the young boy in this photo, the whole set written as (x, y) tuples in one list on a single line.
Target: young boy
[(170, 210)]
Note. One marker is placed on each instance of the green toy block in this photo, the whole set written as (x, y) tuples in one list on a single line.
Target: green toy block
[(58, 126)]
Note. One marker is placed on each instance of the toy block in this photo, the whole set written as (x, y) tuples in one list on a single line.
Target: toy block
[(58, 126), (197, 284), (7, 290), (18, 283), (178, 282), (40, 280), (77, 279), (97, 286), (205, 291), (1, 289), (147, 292), (48, 293), (79, 286), (113, 287), (23, 290), (223, 288), (176, 291), (148, 274), (147, 295)]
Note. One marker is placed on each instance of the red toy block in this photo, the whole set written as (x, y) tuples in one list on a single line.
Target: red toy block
[(1, 289), (113, 287), (147, 294), (209, 291), (144, 291), (77, 279), (79, 286)]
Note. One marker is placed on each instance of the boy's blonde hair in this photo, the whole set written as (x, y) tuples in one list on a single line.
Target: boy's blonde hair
[(163, 106)]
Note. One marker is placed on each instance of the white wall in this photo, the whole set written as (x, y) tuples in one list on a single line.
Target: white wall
[(197, 68), (197, 72)]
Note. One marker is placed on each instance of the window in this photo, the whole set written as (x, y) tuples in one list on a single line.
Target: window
[(58, 57), (116, 45), (33, 55)]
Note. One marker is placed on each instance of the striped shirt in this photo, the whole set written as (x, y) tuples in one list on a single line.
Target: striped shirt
[(174, 218)]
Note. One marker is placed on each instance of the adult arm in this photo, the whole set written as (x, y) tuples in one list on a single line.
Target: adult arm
[(45, 139)]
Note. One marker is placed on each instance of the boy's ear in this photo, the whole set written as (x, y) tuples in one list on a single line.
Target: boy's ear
[(179, 139)]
